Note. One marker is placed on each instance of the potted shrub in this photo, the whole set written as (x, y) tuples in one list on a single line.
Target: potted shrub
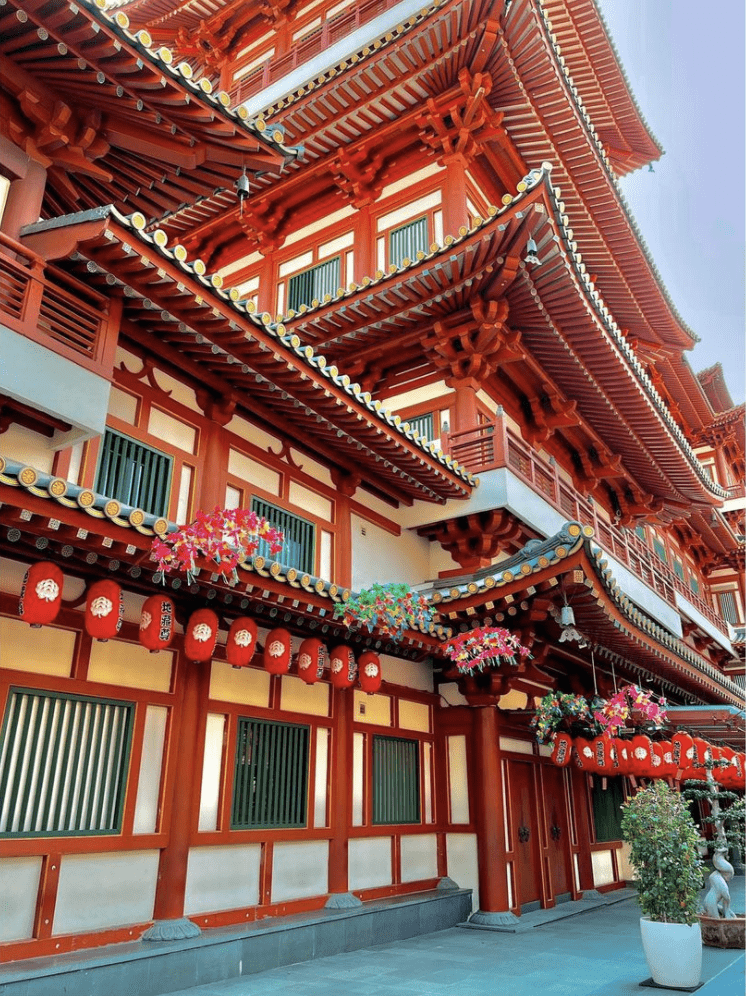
[(658, 826)]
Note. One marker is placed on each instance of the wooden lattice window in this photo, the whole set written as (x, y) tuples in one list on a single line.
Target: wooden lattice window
[(728, 609), (423, 424), (607, 816), (134, 473), (63, 764), (396, 780), (270, 783), (299, 545), (406, 241), (314, 284)]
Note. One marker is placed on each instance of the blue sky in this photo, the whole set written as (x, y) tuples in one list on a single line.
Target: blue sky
[(685, 65)]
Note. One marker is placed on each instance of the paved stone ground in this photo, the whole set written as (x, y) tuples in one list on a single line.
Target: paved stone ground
[(596, 953)]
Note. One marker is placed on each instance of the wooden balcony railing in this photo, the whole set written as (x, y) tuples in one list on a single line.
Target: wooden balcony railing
[(52, 308), (493, 445), (306, 48)]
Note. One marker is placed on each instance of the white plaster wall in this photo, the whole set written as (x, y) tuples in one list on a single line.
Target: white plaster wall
[(130, 664), (28, 447), (300, 870), (377, 556), (414, 716), (458, 781), (603, 868), (369, 862), (97, 891), (419, 857), (43, 651), (411, 674), (251, 433), (222, 878), (19, 885), (310, 501), (297, 696), (149, 782), (245, 685), (463, 867)]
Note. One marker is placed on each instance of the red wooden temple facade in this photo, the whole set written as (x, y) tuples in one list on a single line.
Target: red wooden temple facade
[(430, 345)]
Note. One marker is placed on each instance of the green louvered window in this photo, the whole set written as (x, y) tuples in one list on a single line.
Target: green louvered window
[(63, 764), (678, 568), (607, 816), (270, 785), (396, 780), (640, 530), (660, 550), (727, 603), (407, 241), (298, 548), (311, 285), (133, 473), (693, 584), (423, 424)]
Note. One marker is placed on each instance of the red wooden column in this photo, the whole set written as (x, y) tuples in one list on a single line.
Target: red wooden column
[(487, 797), (183, 787), (341, 800), (23, 204), (210, 492)]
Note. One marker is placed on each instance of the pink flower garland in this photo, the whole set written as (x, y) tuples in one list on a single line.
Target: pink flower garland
[(480, 648), (628, 700), (226, 536)]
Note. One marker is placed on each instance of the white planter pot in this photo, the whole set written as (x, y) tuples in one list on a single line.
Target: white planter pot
[(673, 952)]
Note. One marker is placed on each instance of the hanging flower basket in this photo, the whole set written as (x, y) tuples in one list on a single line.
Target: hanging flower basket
[(631, 706), (563, 711), (223, 537), (389, 609), (483, 648)]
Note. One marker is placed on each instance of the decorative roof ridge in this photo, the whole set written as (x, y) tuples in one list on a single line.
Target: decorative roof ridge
[(622, 71), (606, 162), (100, 507), (644, 622), (381, 42), (536, 555), (532, 179), (213, 283), (201, 88)]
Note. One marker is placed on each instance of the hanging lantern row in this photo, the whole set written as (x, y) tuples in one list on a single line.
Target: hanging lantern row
[(683, 757), (41, 600)]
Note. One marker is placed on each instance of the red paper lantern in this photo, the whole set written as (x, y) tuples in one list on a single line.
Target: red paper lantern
[(562, 750), (104, 608), (622, 758), (241, 643), (201, 635), (585, 757), (603, 753), (641, 749), (683, 750), (722, 774), (312, 660), (342, 667), (369, 672), (41, 594), (157, 623), (277, 652), (668, 767)]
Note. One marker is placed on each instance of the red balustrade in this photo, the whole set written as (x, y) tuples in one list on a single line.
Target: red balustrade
[(493, 445), (52, 308)]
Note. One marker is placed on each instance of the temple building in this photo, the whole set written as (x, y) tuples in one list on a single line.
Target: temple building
[(362, 268)]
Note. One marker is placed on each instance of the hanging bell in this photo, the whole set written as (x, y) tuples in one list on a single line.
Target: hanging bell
[(242, 189), (531, 253), (567, 616)]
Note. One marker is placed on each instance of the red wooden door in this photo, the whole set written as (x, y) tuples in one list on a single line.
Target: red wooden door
[(557, 830), (524, 834)]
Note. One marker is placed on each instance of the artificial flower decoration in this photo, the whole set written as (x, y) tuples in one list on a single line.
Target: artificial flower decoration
[(226, 536), (630, 703), (558, 707), (390, 609), (485, 647)]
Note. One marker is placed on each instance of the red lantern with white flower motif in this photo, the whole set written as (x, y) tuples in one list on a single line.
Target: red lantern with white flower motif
[(722, 773), (668, 767), (585, 757), (342, 667), (277, 652), (157, 623), (369, 672), (201, 635), (41, 594), (622, 758), (241, 642), (104, 608), (641, 749), (313, 659), (562, 750), (683, 750)]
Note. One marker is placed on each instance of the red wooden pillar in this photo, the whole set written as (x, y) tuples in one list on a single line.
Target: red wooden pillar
[(184, 784), (487, 797), (23, 204), (212, 480), (465, 409), (341, 802)]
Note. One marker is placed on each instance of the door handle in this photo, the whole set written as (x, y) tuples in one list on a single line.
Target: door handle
[(556, 832), (523, 834)]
